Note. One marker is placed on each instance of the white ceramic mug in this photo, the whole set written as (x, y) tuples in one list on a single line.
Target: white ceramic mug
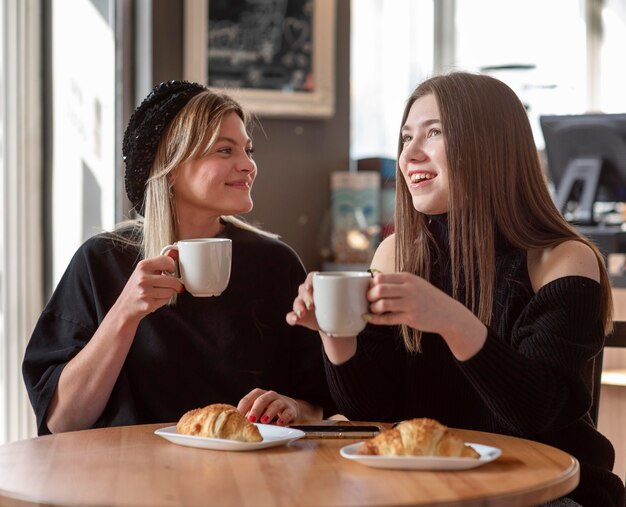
[(204, 264), (340, 299)]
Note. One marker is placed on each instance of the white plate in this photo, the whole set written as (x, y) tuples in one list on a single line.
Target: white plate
[(487, 454), (272, 436)]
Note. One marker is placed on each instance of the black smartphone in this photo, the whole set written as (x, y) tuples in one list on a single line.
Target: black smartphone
[(339, 431)]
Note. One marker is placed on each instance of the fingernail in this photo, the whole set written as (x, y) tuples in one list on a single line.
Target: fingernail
[(299, 314), (308, 305), (252, 418), (265, 418), (281, 422), (373, 271), (366, 317)]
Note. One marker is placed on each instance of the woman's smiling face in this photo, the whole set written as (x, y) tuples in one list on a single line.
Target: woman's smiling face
[(220, 182), (423, 160)]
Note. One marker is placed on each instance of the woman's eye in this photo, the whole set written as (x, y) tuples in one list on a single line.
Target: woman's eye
[(225, 150), (406, 138), (434, 132), (250, 151)]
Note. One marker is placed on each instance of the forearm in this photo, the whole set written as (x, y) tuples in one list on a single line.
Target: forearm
[(370, 385), (87, 381)]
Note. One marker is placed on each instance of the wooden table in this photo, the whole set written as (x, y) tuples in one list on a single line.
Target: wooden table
[(131, 466)]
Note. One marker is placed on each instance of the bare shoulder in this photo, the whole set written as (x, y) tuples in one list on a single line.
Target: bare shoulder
[(570, 258), (385, 255)]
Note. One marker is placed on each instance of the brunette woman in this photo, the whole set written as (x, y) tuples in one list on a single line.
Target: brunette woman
[(489, 308)]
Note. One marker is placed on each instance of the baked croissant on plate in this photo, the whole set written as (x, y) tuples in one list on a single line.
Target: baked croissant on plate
[(418, 437), (218, 421)]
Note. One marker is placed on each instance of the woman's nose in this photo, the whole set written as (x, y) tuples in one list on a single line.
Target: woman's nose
[(247, 165), (414, 151)]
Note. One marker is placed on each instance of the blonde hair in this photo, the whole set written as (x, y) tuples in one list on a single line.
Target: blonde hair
[(190, 135), (495, 177)]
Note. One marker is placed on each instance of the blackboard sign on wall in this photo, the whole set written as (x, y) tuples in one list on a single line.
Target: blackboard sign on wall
[(265, 45), (275, 56)]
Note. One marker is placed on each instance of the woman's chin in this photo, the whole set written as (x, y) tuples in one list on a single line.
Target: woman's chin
[(240, 210), (428, 208)]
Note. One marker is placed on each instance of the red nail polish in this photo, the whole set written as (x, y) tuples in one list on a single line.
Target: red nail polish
[(252, 419), (281, 422), (265, 418)]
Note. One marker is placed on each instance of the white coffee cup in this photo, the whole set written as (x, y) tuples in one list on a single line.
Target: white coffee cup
[(340, 301), (204, 264)]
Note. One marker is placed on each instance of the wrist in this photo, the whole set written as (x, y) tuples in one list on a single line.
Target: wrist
[(339, 350), (465, 334), (308, 412), (121, 321)]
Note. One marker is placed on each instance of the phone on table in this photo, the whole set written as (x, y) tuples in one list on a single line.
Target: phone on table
[(339, 431)]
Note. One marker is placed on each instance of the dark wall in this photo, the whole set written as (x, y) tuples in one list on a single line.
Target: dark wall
[(295, 157), (167, 40)]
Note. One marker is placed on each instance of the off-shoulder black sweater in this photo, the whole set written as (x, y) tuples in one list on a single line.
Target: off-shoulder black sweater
[(532, 378)]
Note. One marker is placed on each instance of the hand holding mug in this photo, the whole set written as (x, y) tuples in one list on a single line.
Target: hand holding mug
[(204, 264), (333, 302), (303, 313), (147, 289)]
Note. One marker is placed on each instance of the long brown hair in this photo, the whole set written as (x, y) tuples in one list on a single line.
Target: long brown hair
[(496, 184)]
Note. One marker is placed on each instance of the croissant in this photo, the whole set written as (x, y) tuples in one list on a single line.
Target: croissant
[(218, 421), (418, 437)]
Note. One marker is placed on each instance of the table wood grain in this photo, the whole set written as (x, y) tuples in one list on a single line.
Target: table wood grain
[(131, 466)]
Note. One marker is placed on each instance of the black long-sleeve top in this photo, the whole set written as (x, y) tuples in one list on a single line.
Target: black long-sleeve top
[(199, 351), (532, 378)]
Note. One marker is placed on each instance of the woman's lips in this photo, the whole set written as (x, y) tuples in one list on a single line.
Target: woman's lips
[(420, 178), (241, 184)]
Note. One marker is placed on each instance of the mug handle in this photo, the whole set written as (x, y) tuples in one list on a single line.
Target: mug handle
[(166, 249)]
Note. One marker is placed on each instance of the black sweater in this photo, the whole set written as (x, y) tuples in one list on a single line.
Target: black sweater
[(199, 351), (531, 379)]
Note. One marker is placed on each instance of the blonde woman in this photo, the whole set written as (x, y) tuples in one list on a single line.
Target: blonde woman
[(121, 343), (488, 308)]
